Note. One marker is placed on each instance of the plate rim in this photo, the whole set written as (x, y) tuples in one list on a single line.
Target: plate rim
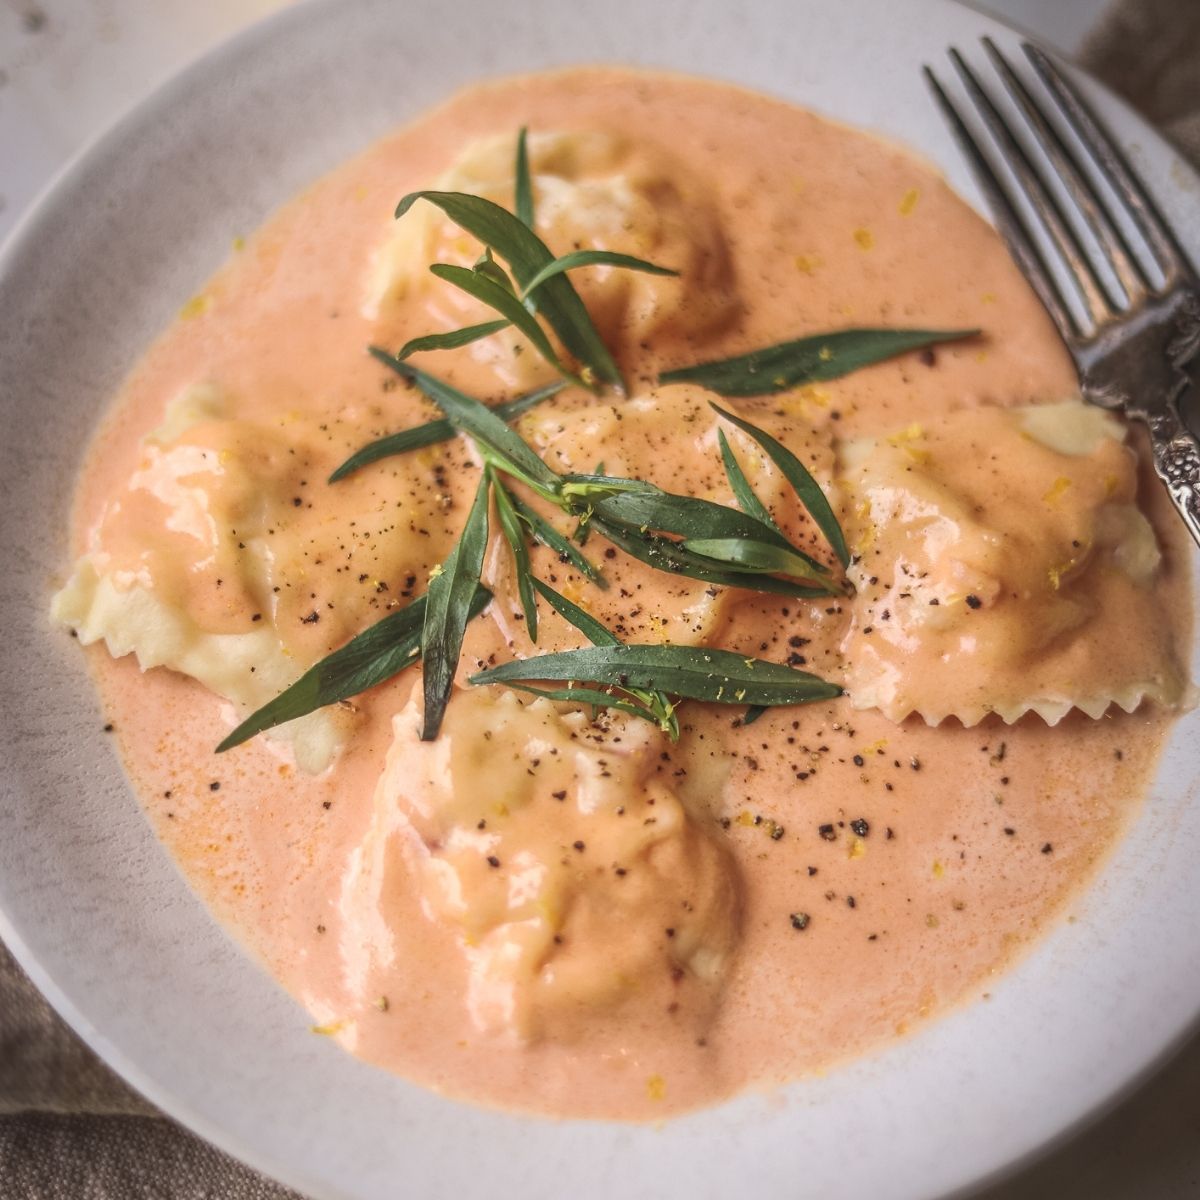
[(246, 42)]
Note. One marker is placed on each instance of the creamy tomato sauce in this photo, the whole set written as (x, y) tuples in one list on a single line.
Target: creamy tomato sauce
[(845, 876)]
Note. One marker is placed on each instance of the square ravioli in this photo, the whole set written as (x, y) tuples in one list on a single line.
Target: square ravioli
[(1000, 560)]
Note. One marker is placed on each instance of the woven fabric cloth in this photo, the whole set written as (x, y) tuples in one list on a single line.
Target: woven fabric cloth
[(1149, 52), (71, 1130)]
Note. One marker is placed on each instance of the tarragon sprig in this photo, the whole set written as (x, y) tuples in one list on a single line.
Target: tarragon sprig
[(682, 535), (542, 287), (514, 535), (635, 514), (813, 359), (370, 658), (448, 608), (651, 704), (707, 541), (433, 432), (526, 254), (716, 676)]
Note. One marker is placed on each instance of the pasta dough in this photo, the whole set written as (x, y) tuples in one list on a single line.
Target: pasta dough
[(590, 189), (1000, 558), (610, 893)]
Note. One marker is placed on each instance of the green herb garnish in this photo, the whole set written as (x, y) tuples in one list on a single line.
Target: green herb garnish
[(632, 513), (694, 520), (693, 673), (665, 554), (447, 610), (514, 535), (496, 441), (544, 532), (655, 706), (452, 340), (740, 547), (592, 258), (743, 554), (808, 360), (742, 490), (523, 197), (504, 301), (433, 432), (372, 657), (801, 480), (526, 255)]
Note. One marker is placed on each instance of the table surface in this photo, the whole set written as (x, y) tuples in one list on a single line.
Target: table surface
[(68, 68)]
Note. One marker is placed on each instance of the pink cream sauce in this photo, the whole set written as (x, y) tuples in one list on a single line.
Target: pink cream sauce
[(977, 837)]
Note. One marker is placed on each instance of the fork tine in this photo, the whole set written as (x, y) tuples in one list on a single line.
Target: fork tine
[(1008, 220), (1121, 257), (1040, 199), (1141, 208)]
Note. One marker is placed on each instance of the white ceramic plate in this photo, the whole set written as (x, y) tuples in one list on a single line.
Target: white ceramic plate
[(106, 926)]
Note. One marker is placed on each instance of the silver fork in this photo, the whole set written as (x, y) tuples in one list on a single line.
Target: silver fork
[(1140, 325)]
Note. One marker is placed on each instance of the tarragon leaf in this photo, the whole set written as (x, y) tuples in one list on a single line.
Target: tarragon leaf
[(514, 534), (451, 340), (486, 265), (803, 484), (499, 298), (742, 490), (447, 610), (593, 630), (591, 697), (693, 517), (523, 199), (670, 556), (742, 554), (658, 707), (593, 258), (598, 487), (527, 254), (469, 416), (371, 657), (808, 360), (550, 537), (432, 432), (691, 672), (476, 284)]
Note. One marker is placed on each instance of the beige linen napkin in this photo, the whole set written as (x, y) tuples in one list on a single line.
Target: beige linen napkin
[(71, 1130)]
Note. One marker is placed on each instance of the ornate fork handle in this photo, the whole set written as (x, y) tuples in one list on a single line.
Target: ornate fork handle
[(1177, 461)]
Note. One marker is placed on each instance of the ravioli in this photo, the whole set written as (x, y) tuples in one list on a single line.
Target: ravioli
[(577, 882), (1000, 562), (670, 438), (217, 561), (590, 189)]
